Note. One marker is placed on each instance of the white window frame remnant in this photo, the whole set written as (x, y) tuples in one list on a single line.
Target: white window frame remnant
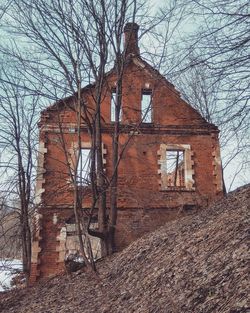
[(217, 169), (146, 106), (188, 166), (113, 106)]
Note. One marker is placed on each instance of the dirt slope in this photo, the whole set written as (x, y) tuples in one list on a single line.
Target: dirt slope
[(197, 264)]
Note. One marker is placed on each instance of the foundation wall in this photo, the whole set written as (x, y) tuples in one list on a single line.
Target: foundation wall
[(131, 224)]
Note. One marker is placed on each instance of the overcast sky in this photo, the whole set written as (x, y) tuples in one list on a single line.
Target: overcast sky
[(230, 171)]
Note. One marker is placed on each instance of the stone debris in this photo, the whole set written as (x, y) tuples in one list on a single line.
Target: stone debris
[(196, 264)]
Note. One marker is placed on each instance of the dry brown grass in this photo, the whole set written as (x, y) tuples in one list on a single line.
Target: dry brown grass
[(192, 265)]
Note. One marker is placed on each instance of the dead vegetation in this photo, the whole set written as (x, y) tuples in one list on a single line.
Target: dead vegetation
[(196, 264), (10, 241)]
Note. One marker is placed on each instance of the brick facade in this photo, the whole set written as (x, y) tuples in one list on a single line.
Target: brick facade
[(144, 199)]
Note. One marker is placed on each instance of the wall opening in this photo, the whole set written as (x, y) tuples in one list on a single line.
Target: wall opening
[(83, 167), (146, 106), (175, 168), (72, 246), (113, 106)]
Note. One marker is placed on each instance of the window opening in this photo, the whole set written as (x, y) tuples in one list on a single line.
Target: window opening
[(83, 167), (73, 256), (146, 106), (113, 106), (175, 168)]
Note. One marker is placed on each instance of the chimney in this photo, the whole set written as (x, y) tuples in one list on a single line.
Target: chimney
[(131, 39)]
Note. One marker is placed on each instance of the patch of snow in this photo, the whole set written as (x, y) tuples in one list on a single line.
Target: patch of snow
[(8, 269)]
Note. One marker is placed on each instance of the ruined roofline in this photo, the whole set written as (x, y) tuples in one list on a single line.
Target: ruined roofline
[(142, 65), (131, 50), (131, 54)]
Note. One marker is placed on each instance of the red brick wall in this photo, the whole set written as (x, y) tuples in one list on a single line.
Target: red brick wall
[(143, 206)]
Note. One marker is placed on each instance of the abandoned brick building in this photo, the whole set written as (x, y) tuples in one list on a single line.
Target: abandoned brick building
[(171, 165)]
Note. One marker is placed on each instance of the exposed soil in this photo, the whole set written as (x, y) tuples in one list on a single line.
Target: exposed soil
[(199, 263)]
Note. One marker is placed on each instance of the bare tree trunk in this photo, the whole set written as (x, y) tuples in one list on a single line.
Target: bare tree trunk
[(102, 211), (176, 169), (24, 198), (115, 157)]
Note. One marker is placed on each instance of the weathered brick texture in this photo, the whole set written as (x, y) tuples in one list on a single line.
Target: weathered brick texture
[(143, 204)]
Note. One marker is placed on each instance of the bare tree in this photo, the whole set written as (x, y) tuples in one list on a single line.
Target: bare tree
[(204, 92), (74, 43), (4, 7), (81, 33), (10, 243), (214, 76), (18, 139)]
